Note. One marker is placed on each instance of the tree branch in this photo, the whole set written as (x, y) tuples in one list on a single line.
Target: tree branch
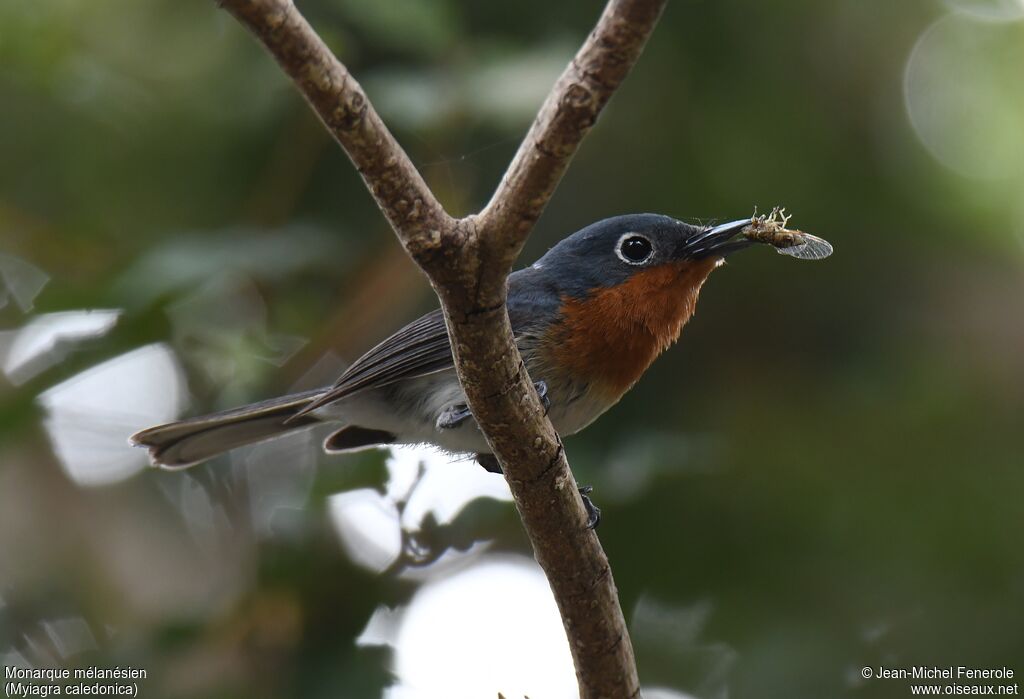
[(406, 200), (468, 261), (571, 108)]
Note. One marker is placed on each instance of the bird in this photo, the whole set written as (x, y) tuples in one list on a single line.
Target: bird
[(589, 317)]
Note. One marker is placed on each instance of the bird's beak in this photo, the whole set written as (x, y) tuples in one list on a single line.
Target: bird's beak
[(718, 241)]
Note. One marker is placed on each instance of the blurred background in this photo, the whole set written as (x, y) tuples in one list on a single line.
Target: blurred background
[(825, 474)]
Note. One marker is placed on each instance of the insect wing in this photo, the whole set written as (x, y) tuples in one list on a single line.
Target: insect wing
[(812, 248)]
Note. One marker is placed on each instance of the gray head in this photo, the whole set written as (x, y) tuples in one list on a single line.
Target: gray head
[(612, 251)]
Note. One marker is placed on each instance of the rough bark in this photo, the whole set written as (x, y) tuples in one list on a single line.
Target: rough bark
[(468, 261)]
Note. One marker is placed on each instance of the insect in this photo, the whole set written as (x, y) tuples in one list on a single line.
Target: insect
[(771, 230)]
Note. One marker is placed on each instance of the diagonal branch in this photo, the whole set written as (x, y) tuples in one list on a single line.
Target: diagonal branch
[(571, 108), (468, 261), (343, 107)]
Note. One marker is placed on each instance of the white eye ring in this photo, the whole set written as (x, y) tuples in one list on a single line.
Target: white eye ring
[(628, 260)]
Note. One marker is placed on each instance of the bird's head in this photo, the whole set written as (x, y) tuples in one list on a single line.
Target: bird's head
[(625, 287), (635, 247)]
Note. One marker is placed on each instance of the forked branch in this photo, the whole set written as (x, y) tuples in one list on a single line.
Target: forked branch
[(468, 261)]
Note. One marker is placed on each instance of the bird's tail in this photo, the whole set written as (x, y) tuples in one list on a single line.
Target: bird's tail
[(189, 442)]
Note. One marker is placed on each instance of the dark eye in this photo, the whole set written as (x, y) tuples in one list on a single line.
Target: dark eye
[(635, 249)]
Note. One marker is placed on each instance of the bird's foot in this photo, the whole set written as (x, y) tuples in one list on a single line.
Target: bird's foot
[(490, 463), (542, 393), (457, 413), (593, 511), (453, 416)]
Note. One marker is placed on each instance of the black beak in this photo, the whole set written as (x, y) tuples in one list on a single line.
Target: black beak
[(718, 241)]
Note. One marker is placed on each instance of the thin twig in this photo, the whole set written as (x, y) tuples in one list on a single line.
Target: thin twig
[(468, 261)]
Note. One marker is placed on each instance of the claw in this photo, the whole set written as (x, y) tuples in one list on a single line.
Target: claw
[(542, 393), (593, 511), (453, 416)]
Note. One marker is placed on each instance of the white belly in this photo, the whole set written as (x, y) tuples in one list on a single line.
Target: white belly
[(410, 410)]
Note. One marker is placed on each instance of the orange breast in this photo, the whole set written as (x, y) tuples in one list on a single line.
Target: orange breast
[(610, 338)]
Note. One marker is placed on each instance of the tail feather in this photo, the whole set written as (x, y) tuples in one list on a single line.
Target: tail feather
[(189, 442)]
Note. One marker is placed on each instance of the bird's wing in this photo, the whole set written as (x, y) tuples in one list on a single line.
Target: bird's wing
[(418, 349)]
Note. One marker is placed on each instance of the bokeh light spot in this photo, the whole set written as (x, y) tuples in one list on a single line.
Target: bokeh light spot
[(91, 415), (47, 339), (367, 524), (492, 627), (991, 10), (964, 95)]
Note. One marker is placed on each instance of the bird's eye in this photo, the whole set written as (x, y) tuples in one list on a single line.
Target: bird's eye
[(634, 249)]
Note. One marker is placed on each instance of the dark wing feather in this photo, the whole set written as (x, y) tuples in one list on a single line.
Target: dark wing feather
[(418, 349), (422, 347)]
